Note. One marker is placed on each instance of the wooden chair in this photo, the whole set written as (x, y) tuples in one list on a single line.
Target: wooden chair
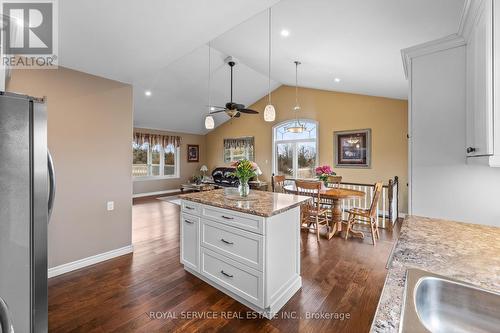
[(312, 213), (278, 184), (334, 181), (356, 215)]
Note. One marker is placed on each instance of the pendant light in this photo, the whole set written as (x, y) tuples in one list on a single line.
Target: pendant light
[(269, 111), (209, 119), (297, 126)]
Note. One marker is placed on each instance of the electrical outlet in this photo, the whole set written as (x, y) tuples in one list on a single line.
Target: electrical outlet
[(111, 205)]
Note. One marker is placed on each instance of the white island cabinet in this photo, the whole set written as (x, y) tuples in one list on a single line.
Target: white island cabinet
[(249, 249)]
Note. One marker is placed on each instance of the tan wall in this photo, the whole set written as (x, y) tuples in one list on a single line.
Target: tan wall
[(187, 170), (89, 135), (388, 119)]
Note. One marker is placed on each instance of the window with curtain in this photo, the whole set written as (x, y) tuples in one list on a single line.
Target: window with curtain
[(295, 154), (155, 156), (236, 149)]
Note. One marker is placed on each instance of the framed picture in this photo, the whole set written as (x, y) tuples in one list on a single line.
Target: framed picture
[(353, 148), (236, 149), (193, 153)]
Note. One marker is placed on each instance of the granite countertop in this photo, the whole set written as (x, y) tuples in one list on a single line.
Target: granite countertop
[(465, 252), (259, 203)]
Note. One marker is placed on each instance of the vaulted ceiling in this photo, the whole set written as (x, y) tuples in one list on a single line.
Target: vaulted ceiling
[(161, 46)]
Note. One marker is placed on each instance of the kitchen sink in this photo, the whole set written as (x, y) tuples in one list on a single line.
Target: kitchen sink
[(437, 304)]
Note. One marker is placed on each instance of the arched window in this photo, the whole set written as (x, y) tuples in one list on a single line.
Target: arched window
[(295, 153)]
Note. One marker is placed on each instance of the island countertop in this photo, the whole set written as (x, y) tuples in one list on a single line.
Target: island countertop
[(260, 203), (462, 251)]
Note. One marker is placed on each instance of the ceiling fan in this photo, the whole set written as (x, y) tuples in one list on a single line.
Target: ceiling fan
[(232, 109)]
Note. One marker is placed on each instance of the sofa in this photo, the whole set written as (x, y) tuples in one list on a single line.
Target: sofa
[(223, 176)]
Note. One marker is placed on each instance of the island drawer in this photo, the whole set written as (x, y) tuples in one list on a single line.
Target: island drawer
[(242, 246), (190, 207), (235, 277), (234, 219)]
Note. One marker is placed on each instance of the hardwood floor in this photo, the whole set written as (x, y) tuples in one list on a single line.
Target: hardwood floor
[(343, 277)]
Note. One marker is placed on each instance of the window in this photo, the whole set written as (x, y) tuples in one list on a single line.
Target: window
[(155, 162), (238, 149), (295, 154)]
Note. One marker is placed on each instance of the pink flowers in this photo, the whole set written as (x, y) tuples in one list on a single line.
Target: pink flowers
[(323, 172), (325, 169)]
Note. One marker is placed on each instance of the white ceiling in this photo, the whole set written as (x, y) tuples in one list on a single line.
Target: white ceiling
[(358, 41), (161, 46), (180, 92), (128, 39)]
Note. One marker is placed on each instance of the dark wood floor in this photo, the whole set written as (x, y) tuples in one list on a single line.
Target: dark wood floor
[(118, 295)]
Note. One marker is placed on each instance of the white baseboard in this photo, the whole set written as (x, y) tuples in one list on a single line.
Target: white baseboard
[(148, 194), (72, 266)]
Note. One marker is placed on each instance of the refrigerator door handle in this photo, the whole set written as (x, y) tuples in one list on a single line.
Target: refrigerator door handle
[(52, 182), (5, 321)]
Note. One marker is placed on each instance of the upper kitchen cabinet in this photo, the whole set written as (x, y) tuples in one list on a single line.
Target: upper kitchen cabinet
[(483, 76)]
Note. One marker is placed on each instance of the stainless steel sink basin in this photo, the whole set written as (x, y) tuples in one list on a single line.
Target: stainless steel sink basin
[(437, 304)]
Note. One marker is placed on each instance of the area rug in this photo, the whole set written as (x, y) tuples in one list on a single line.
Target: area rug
[(172, 199)]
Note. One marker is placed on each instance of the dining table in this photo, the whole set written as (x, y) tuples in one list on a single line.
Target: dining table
[(336, 195)]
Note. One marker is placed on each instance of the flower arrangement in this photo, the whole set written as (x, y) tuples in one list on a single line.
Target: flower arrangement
[(323, 172), (245, 170)]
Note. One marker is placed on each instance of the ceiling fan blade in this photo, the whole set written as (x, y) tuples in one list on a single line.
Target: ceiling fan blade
[(215, 107), (237, 115), (248, 111), (239, 106)]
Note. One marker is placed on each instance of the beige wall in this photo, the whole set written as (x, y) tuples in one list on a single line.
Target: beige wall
[(89, 135), (187, 170), (388, 119)]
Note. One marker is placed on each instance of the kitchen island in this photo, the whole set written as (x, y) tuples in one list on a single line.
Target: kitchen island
[(460, 251), (249, 248)]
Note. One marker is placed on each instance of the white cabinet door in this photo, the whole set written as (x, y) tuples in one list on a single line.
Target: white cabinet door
[(480, 83), (190, 241)]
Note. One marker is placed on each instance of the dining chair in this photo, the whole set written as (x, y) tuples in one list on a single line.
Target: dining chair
[(278, 184), (358, 215), (334, 181), (312, 213)]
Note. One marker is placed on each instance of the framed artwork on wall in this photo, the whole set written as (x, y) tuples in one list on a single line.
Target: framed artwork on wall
[(236, 149), (352, 149), (193, 153)]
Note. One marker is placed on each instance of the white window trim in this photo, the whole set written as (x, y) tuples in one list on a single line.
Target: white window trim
[(177, 174), (275, 142)]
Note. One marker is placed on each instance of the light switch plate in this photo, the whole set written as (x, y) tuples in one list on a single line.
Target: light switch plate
[(111, 205)]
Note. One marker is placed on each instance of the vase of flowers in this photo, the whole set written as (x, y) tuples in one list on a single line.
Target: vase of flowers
[(244, 171), (323, 172)]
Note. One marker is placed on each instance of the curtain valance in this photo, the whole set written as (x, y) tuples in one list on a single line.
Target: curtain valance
[(246, 142), (157, 142)]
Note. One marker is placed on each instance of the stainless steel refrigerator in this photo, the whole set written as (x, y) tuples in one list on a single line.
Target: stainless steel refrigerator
[(26, 197)]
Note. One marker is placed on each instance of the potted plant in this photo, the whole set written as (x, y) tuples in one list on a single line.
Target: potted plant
[(323, 172), (196, 179), (244, 171)]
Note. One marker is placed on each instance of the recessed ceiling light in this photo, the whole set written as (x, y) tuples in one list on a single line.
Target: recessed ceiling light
[(285, 33), (337, 79), (147, 93), (212, 108)]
